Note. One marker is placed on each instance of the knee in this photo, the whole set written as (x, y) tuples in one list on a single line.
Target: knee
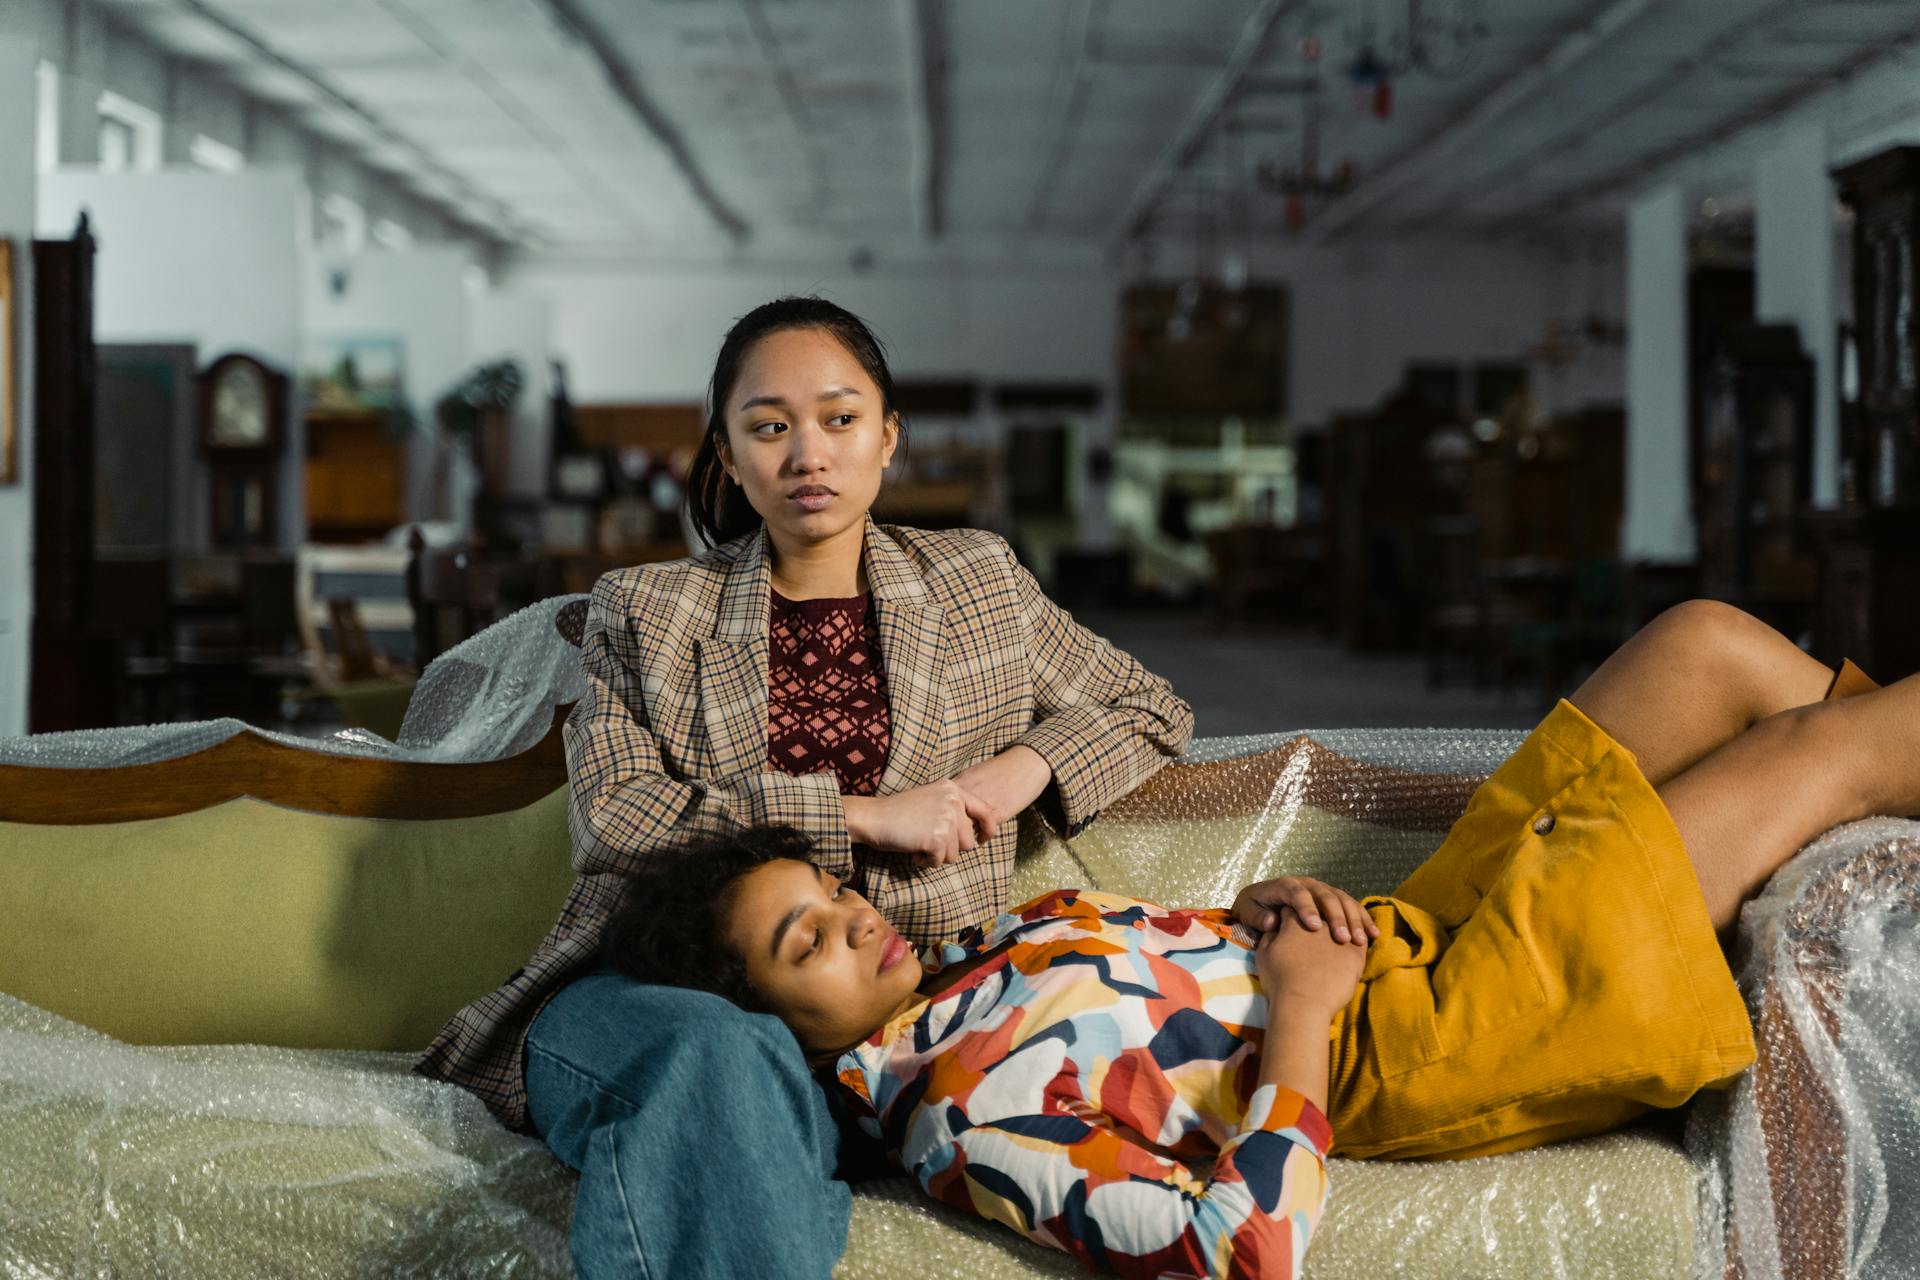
[(1705, 627)]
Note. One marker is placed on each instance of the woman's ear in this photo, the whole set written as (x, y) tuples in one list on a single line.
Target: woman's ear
[(891, 440), (724, 451)]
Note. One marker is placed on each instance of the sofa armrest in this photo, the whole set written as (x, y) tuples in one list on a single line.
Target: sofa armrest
[(1819, 1138)]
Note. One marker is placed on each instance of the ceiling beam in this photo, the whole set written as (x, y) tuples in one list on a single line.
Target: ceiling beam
[(1437, 149), (567, 16), (505, 222), (1471, 188), (1084, 20), (511, 106), (1205, 112), (788, 84), (1653, 168), (927, 20)]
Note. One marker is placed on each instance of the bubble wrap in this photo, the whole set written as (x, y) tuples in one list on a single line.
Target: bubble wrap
[(239, 1161), (487, 698), (1819, 1145)]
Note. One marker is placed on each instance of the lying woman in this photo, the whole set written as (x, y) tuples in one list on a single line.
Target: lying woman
[(1551, 971)]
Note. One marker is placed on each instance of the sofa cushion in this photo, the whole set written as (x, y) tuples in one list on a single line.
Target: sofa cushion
[(250, 923)]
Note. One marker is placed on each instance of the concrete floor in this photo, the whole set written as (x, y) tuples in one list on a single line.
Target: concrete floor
[(1255, 679)]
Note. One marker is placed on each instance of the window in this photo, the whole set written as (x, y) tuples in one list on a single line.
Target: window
[(129, 135), (217, 156)]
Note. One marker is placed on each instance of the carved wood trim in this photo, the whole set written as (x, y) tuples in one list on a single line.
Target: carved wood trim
[(248, 764)]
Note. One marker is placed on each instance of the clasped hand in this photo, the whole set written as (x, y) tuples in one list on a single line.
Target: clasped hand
[(942, 820), (1313, 940)]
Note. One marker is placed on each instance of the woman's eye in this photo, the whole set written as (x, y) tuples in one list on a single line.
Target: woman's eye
[(843, 418), (817, 935), (768, 428)]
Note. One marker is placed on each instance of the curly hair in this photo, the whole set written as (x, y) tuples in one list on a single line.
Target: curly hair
[(667, 927)]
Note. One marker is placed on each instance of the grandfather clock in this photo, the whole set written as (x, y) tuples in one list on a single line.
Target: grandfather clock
[(1870, 549), (243, 412)]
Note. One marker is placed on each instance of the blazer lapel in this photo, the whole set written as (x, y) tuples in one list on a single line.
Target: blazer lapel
[(733, 664), (913, 656)]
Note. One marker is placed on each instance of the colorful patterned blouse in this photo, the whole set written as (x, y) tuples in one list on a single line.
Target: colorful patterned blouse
[(1065, 1085)]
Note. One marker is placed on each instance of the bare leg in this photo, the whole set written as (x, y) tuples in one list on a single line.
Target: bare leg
[(1694, 679), (1749, 806)]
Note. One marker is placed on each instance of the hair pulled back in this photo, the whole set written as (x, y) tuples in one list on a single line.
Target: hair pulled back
[(719, 510)]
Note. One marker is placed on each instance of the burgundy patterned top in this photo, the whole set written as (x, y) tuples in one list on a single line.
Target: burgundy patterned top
[(826, 692)]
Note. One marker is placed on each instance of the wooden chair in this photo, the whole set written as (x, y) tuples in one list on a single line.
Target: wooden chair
[(453, 596)]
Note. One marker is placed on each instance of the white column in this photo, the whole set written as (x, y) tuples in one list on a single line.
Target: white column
[(1659, 519), (1794, 272), (18, 111)]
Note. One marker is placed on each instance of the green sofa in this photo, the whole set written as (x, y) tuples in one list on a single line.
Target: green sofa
[(209, 1015)]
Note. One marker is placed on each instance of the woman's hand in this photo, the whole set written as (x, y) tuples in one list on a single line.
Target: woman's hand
[(936, 823), (1306, 971), (1259, 908), (1008, 782)]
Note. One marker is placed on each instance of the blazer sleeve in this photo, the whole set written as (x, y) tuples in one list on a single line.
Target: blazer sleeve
[(1103, 722), (624, 808), (1118, 1207)]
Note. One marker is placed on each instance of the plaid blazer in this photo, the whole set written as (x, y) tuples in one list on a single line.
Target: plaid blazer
[(669, 744)]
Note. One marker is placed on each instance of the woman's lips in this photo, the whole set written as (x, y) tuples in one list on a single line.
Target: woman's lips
[(892, 952), (813, 499)]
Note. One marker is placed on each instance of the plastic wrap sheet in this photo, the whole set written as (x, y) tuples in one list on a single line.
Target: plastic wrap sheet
[(238, 1161), (1819, 1145), (1618, 1206), (487, 698)]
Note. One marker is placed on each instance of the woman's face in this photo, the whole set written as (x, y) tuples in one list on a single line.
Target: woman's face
[(806, 438), (822, 959)]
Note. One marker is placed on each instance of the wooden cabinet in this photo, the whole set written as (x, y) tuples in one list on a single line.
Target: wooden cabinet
[(1755, 469), (1884, 457), (356, 477), (1869, 608)]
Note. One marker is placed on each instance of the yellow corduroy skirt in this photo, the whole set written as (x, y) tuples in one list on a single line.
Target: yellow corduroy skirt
[(1549, 972)]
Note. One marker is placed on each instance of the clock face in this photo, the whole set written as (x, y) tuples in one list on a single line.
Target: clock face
[(239, 418)]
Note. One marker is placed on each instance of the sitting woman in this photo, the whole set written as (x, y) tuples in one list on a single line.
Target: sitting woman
[(1551, 971)]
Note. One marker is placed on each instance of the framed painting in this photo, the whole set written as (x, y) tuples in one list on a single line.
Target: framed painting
[(9, 468)]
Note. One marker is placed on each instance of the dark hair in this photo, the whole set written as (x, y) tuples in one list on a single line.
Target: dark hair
[(719, 510), (667, 926)]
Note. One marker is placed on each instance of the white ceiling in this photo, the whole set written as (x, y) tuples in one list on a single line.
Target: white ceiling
[(695, 126)]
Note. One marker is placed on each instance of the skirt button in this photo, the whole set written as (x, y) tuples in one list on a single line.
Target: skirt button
[(1543, 825)]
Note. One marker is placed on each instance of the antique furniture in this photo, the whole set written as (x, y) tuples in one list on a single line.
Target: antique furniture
[(356, 474), (243, 411), (63, 650), (245, 1107), (1755, 474), (1870, 548)]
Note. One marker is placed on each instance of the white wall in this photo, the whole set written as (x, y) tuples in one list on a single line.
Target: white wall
[(1361, 314), (191, 256), (651, 333), (1658, 527), (1796, 281), (418, 296), (1358, 317), (17, 112)]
